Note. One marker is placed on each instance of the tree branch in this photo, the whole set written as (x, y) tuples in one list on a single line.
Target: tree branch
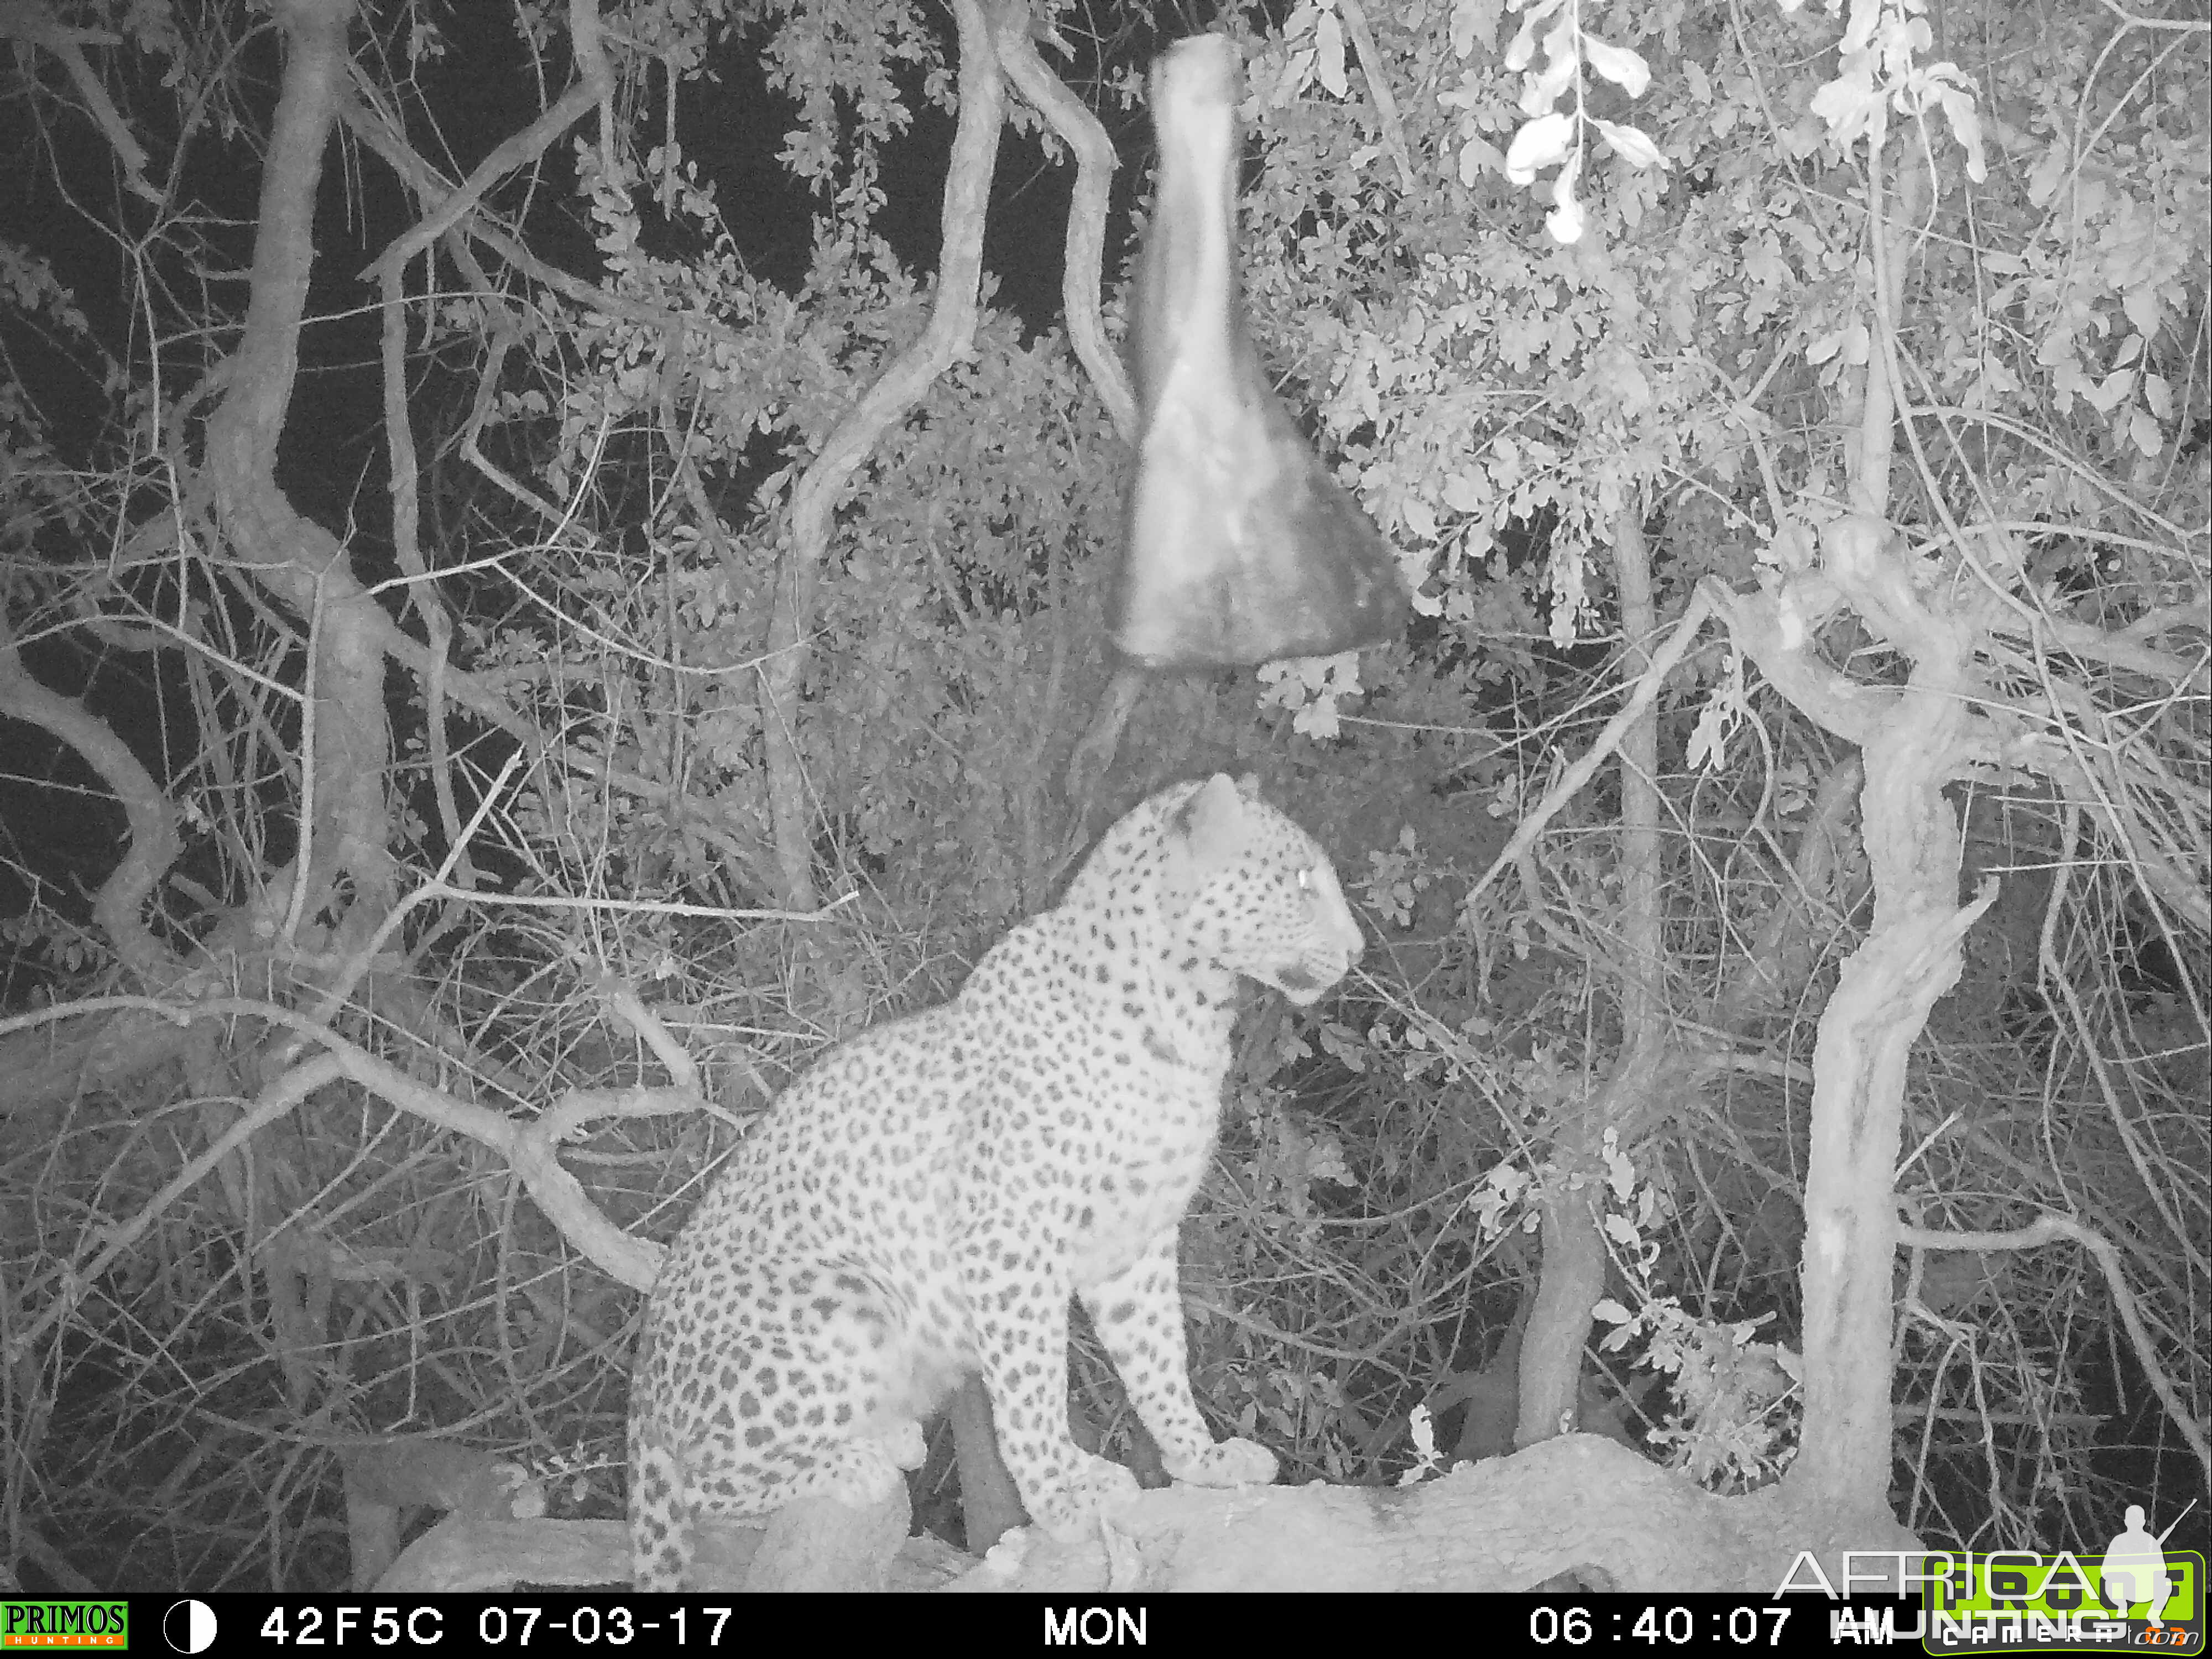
[(1085, 257), (153, 841), (950, 332)]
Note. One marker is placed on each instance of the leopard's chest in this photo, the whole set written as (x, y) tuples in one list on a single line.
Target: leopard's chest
[(1091, 1093), (1140, 1177)]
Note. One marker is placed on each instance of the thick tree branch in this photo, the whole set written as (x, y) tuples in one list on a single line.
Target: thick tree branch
[(153, 843), (34, 23), (518, 149), (950, 332), (299, 561), (1085, 257)]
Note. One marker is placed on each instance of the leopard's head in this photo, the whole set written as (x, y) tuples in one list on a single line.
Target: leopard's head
[(1254, 892)]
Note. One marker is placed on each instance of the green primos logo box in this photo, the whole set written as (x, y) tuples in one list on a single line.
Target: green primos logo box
[(25, 1625)]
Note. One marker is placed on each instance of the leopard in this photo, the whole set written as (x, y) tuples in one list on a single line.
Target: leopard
[(920, 1205)]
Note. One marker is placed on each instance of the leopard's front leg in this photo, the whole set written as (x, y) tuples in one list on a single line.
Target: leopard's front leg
[(1137, 1314), (1018, 1294)]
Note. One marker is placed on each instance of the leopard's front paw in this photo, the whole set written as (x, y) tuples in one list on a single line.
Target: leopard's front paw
[(1071, 1503), (1228, 1463)]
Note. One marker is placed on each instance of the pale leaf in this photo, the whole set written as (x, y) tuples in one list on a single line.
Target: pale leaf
[(1538, 145), (1631, 145), (1967, 127), (1476, 157), (1618, 64), (1329, 54)]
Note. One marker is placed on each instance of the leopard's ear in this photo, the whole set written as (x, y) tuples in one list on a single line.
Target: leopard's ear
[(1212, 825)]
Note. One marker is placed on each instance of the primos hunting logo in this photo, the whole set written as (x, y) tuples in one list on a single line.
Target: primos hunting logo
[(45, 1625)]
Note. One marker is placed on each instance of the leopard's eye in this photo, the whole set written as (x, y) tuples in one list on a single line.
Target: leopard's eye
[(1305, 881)]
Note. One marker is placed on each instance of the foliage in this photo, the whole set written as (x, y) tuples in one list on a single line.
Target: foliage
[(620, 392)]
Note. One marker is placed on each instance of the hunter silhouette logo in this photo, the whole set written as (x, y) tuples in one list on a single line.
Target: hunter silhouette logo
[(2026, 1602)]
